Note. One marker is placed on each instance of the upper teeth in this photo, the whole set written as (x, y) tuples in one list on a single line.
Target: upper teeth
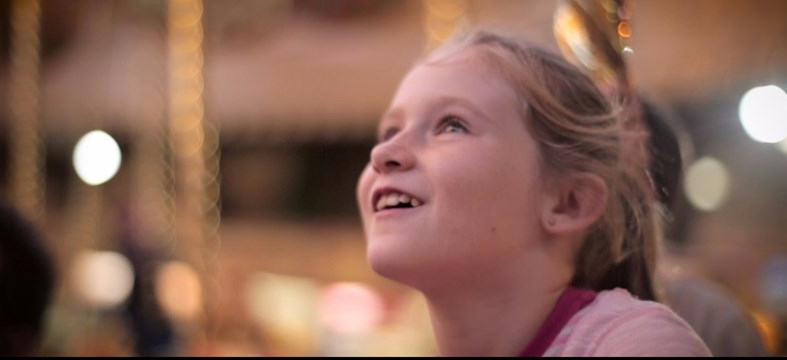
[(395, 198)]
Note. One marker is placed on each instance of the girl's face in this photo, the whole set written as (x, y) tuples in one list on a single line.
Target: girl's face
[(452, 189)]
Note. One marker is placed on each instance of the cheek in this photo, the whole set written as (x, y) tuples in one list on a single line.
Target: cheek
[(489, 195), (364, 187), (488, 176)]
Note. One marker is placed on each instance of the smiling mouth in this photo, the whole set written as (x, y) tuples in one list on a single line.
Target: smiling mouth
[(392, 199)]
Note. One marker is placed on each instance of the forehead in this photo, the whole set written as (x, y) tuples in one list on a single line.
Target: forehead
[(459, 75)]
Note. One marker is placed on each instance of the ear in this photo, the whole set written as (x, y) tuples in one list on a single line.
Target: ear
[(573, 205)]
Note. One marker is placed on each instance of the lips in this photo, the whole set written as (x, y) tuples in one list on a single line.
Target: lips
[(390, 198)]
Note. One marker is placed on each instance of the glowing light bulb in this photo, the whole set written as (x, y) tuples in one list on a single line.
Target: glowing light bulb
[(763, 113), (96, 157)]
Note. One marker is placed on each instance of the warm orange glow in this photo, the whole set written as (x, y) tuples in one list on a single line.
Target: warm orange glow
[(624, 29), (769, 328), (179, 291), (443, 18), (447, 9)]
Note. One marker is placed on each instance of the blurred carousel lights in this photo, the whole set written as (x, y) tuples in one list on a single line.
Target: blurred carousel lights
[(763, 113), (707, 184), (96, 158), (102, 279), (597, 36)]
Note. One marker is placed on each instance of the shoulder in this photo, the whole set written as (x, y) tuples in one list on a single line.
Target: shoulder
[(618, 324), (718, 318)]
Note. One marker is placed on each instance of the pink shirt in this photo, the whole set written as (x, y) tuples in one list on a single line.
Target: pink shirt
[(617, 324)]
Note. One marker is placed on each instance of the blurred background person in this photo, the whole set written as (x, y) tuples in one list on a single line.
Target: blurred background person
[(720, 320), (27, 279), (151, 330)]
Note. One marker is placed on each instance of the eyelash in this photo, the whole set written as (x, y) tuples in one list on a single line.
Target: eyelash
[(443, 126), (451, 121)]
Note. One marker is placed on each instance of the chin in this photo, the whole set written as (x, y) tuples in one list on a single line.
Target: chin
[(391, 264), (381, 261)]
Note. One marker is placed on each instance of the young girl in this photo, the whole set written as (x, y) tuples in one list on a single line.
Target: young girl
[(495, 190)]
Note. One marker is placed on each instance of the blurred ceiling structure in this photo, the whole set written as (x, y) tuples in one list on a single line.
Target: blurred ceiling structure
[(327, 67)]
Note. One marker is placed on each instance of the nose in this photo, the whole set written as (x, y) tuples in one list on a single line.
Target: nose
[(390, 156)]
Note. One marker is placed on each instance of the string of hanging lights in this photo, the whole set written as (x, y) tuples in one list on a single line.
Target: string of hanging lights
[(195, 146), (27, 149)]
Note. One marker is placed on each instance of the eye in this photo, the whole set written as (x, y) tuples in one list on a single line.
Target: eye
[(387, 133), (452, 124)]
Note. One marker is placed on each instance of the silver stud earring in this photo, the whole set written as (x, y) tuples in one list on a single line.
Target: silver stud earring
[(551, 221)]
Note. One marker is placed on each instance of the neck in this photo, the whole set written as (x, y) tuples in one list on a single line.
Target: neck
[(492, 319)]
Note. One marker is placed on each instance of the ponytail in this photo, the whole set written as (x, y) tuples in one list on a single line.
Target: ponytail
[(635, 267)]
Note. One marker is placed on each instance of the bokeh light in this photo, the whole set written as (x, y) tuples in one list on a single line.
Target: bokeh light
[(350, 308), (96, 157), (763, 113), (179, 290), (783, 146), (707, 184), (102, 279), (285, 305)]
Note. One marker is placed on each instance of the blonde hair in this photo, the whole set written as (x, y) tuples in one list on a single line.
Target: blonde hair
[(579, 130)]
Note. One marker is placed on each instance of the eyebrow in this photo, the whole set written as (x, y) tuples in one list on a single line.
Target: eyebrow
[(441, 102), (446, 101), (392, 115)]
